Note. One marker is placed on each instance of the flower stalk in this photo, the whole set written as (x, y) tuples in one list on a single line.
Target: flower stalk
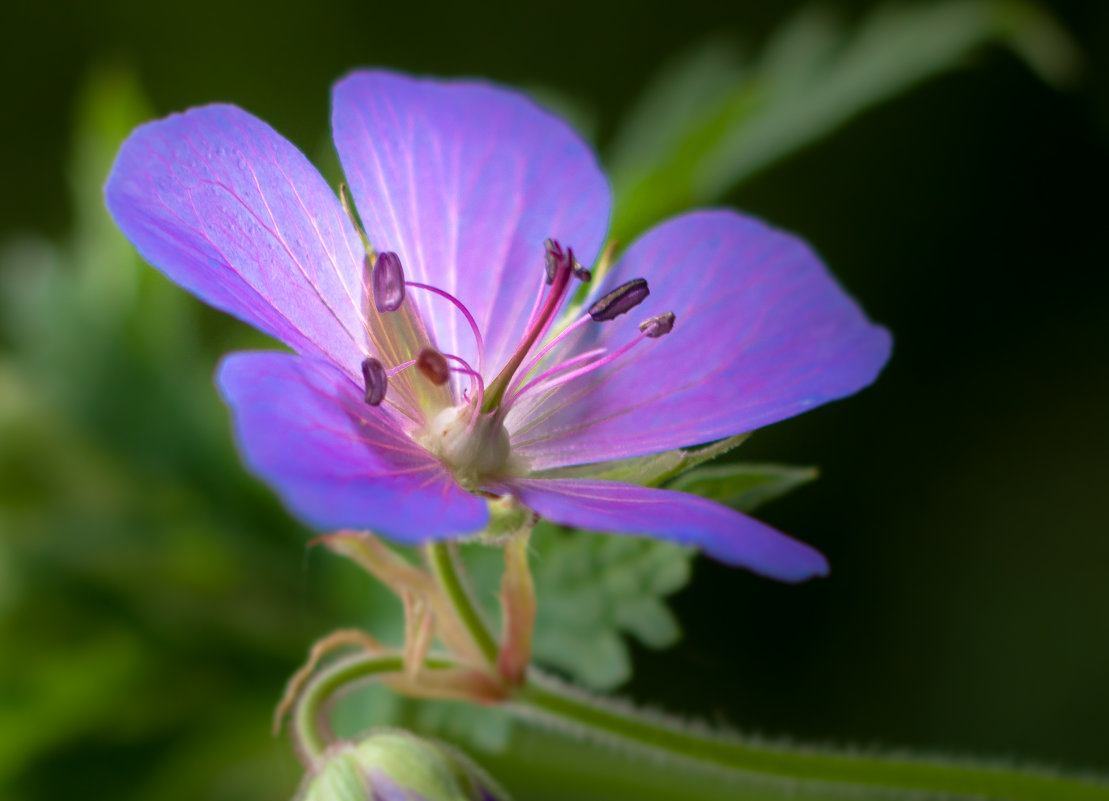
[(539, 700), (544, 701), (443, 560)]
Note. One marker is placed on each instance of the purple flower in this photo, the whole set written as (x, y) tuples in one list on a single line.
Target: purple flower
[(402, 413)]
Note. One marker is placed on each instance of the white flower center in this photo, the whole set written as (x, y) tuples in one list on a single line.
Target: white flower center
[(474, 448)]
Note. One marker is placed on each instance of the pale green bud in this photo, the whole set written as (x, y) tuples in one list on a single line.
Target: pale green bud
[(392, 765)]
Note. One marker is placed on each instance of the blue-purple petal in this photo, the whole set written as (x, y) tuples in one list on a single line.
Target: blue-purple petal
[(230, 210), (762, 332), (722, 533), (465, 181), (302, 426)]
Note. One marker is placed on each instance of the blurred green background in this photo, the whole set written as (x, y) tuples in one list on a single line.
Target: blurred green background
[(949, 161)]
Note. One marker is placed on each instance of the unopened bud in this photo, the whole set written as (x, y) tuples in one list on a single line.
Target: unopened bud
[(393, 765)]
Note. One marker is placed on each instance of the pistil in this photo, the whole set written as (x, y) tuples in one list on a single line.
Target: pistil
[(559, 271)]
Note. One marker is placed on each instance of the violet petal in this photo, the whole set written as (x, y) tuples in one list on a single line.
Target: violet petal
[(303, 427), (230, 210), (465, 181), (722, 533), (764, 333)]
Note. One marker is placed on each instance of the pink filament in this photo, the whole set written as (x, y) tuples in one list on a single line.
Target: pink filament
[(392, 371), (532, 363), (538, 302), (465, 313), (561, 368), (543, 384), (476, 381)]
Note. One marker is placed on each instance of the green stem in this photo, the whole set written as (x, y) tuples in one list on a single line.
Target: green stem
[(622, 726), (442, 558), (305, 723), (311, 742)]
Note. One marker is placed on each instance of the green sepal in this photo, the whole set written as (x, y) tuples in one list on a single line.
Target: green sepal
[(650, 470), (743, 486)]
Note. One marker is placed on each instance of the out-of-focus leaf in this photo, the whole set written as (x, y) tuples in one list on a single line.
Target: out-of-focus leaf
[(152, 572), (595, 588), (47, 701), (708, 123), (743, 486)]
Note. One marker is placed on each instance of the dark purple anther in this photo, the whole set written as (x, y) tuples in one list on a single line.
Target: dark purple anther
[(376, 381), (622, 299), (434, 366), (388, 282), (580, 273), (657, 326), (553, 258)]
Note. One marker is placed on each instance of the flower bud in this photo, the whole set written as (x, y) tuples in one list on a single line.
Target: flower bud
[(392, 765)]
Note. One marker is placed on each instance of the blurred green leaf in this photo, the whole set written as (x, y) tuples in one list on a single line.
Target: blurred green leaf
[(710, 121), (150, 570), (594, 588)]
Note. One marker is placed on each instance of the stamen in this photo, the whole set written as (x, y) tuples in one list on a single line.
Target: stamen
[(537, 305), (478, 341), (620, 300), (400, 368), (569, 364), (559, 272), (553, 258), (552, 383), (376, 381), (651, 328), (388, 282), (580, 272), (522, 373), (476, 381), (434, 366), (657, 326)]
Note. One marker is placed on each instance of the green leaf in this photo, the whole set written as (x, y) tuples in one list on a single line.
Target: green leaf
[(594, 589), (709, 122), (743, 486)]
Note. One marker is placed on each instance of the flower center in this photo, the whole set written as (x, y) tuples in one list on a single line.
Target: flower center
[(473, 445), (463, 426)]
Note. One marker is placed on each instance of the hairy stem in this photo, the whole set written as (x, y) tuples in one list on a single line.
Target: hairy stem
[(619, 725)]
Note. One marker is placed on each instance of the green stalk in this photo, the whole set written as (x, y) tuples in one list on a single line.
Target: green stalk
[(621, 726), (305, 723), (703, 766), (443, 560)]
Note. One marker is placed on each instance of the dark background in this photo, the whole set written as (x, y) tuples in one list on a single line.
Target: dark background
[(962, 498)]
